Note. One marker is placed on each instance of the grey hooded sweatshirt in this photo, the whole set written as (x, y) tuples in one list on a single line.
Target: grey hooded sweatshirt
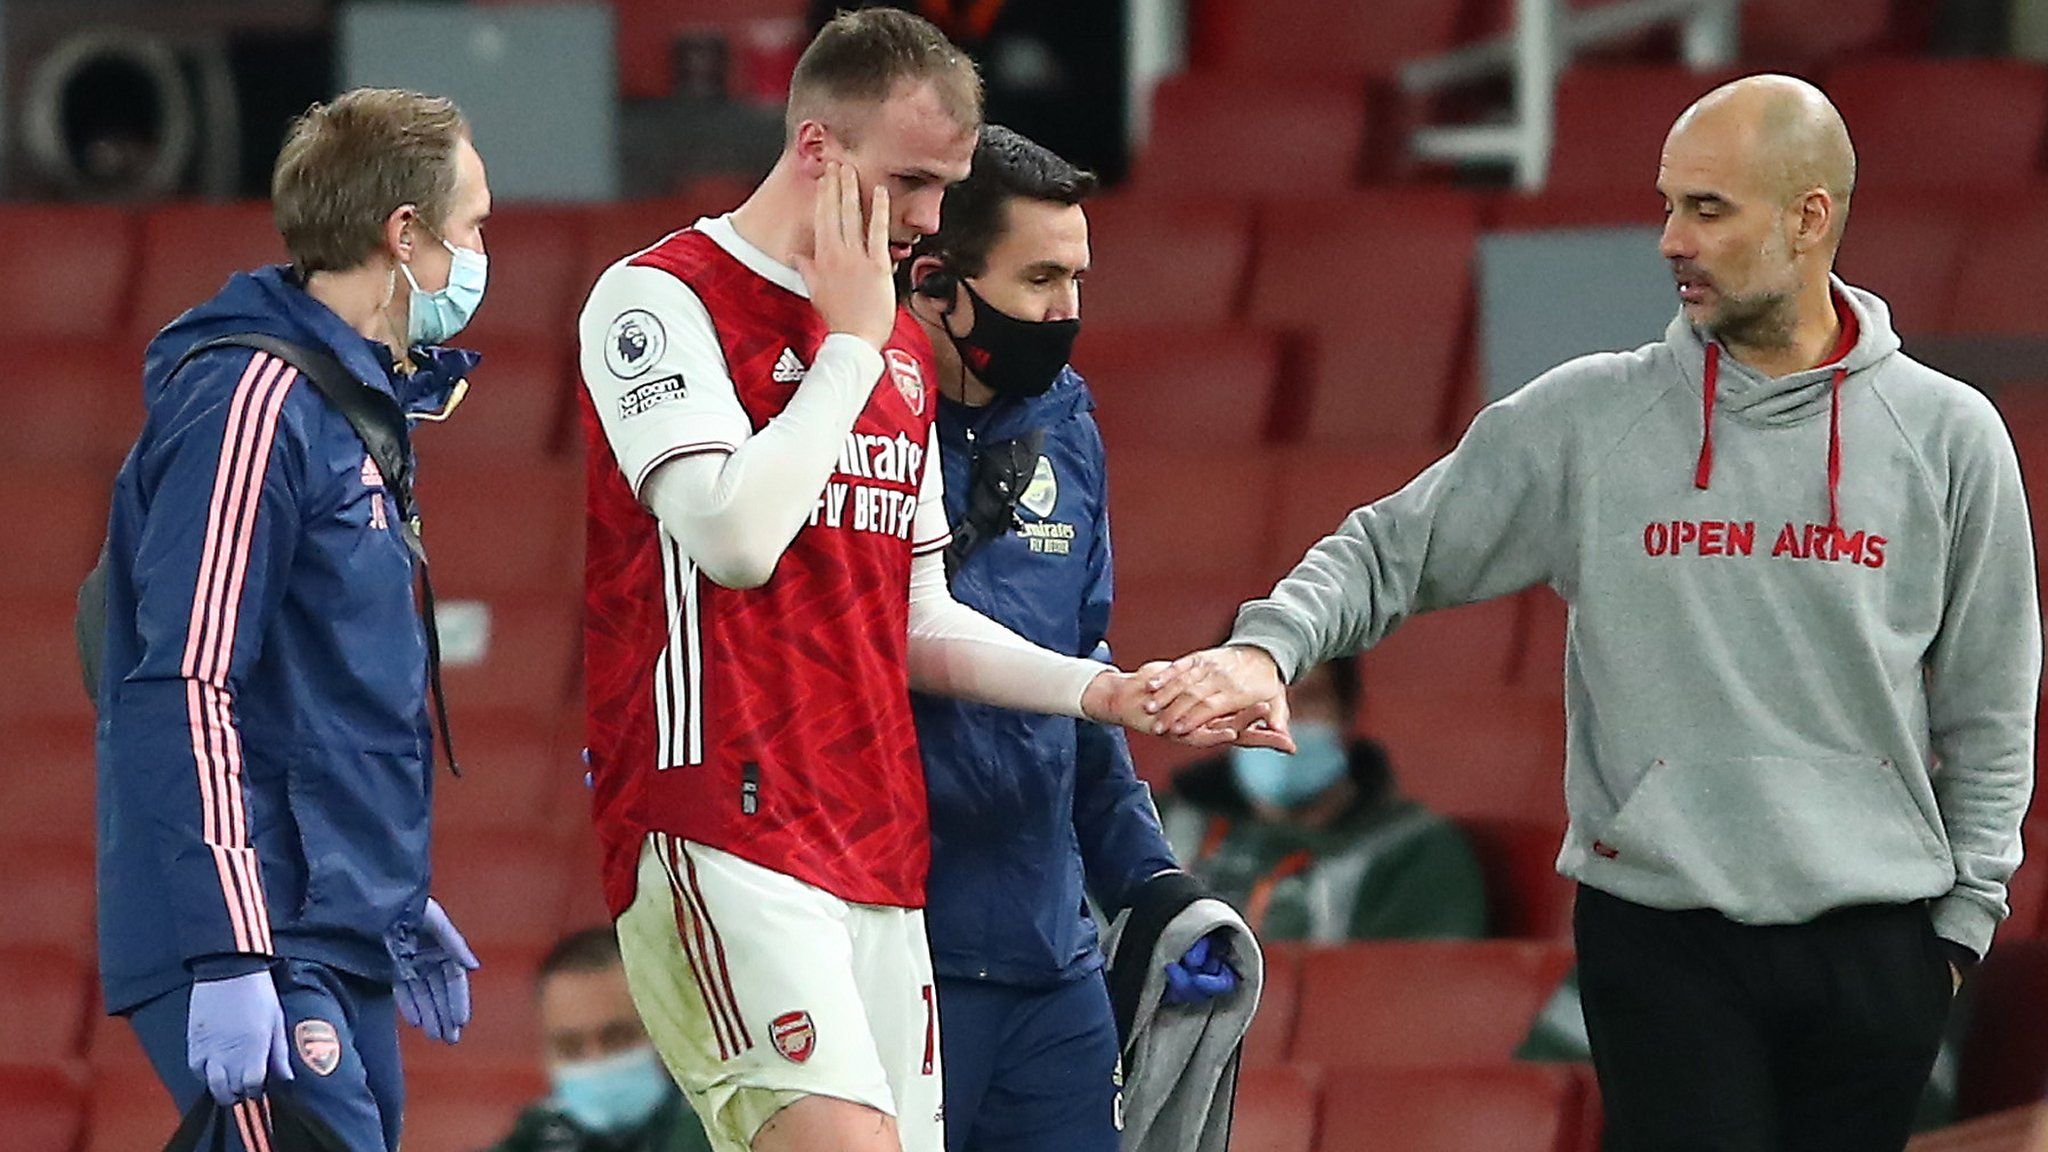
[(1804, 647)]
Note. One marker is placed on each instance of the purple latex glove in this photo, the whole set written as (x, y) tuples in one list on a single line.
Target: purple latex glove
[(434, 963), (1203, 973), (235, 1036)]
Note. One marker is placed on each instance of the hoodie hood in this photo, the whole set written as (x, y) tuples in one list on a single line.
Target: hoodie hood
[(274, 302), (1725, 384), (1750, 396)]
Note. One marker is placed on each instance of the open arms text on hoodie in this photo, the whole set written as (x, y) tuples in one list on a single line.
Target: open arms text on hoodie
[(1804, 646)]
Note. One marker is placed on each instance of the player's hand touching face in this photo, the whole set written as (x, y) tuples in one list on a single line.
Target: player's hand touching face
[(911, 146), (848, 268)]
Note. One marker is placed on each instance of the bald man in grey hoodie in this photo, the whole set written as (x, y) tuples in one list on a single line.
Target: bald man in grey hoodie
[(1801, 668)]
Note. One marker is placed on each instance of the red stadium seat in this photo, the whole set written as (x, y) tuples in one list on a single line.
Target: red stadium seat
[(2028, 892), (1319, 487), (1807, 32), (115, 1054), (2003, 249), (1908, 248), (540, 252), (1929, 123), (1459, 1002), (1252, 138), (462, 1109), (619, 230), (515, 412), (48, 900), (43, 1000), (72, 404), (36, 632), (505, 891), (1332, 38), (190, 250), (71, 266), (1272, 1029), (1612, 119), (130, 1111), (51, 550), (530, 663), (1594, 207), (1276, 1110), (515, 767), (1196, 388), (2004, 1058), (502, 531), (44, 1106), (1383, 283), (648, 31), (1473, 753), (1165, 260), (1526, 899), (1504, 1108), (1194, 517), (54, 799)]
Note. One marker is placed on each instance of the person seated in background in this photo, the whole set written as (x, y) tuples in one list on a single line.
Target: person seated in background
[(610, 1090), (1321, 845)]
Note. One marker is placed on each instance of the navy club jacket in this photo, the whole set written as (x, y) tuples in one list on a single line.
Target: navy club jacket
[(264, 755), (1030, 812)]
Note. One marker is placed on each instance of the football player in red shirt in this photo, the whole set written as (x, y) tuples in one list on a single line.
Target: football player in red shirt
[(764, 587)]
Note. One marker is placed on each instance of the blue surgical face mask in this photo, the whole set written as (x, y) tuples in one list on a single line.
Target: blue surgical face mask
[(1269, 776), (611, 1094), (436, 316)]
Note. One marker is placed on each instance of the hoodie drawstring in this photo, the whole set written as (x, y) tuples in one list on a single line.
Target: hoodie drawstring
[(1703, 471), (1835, 379)]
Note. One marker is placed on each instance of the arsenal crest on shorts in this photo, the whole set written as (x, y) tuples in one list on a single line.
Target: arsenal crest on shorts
[(794, 1037), (908, 376), (319, 1047)]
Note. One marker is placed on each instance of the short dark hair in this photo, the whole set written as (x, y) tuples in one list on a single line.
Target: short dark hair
[(1007, 166), (858, 58), (590, 950)]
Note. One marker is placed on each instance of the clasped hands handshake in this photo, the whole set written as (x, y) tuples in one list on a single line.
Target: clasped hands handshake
[(1227, 695)]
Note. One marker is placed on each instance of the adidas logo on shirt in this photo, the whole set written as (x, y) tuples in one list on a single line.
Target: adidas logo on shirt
[(789, 369)]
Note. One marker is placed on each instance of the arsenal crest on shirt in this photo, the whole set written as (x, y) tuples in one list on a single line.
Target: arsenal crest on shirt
[(794, 1036), (908, 376)]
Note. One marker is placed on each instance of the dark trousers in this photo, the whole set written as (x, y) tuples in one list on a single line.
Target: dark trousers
[(347, 1027), (1713, 1036), (1029, 1069)]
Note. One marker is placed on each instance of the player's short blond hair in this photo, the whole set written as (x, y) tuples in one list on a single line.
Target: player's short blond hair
[(346, 165), (858, 59)]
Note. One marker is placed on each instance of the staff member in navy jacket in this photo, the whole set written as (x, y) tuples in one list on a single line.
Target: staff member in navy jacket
[(264, 749), (1024, 807)]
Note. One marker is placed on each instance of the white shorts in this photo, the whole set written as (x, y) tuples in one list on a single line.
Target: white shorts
[(759, 989)]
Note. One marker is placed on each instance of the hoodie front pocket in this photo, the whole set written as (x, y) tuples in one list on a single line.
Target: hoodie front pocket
[(1775, 839)]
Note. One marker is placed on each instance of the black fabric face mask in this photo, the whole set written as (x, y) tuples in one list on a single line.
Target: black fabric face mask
[(1014, 357)]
